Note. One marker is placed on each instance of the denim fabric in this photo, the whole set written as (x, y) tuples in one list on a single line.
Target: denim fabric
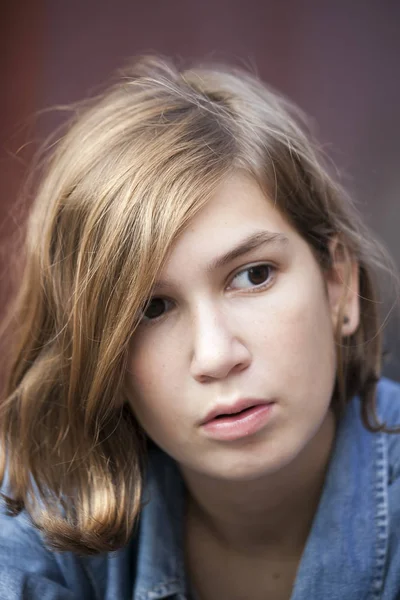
[(353, 550)]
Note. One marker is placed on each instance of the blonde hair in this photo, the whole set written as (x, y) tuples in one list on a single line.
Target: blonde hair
[(134, 166)]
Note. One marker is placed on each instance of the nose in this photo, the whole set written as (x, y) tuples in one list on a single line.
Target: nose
[(217, 349)]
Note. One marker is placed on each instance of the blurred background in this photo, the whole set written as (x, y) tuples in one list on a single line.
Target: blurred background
[(338, 60)]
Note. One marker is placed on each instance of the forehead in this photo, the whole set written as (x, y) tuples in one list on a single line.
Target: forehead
[(238, 209)]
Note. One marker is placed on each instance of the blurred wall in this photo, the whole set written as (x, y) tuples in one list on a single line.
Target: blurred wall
[(21, 68), (337, 60)]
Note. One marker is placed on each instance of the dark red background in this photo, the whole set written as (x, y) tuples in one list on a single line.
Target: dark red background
[(338, 60)]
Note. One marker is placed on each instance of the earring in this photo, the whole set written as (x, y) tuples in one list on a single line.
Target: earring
[(346, 320)]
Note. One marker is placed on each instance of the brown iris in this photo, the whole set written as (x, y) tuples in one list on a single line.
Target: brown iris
[(259, 274)]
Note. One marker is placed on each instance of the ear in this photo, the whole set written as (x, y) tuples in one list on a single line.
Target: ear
[(342, 283)]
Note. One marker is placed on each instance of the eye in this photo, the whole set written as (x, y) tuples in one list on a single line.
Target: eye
[(156, 308), (257, 276)]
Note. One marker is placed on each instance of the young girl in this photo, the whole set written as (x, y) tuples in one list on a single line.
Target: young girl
[(193, 407)]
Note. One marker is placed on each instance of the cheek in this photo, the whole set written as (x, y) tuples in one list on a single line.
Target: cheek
[(314, 357), (152, 380), (298, 339)]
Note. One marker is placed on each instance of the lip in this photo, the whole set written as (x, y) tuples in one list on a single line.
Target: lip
[(242, 419), (231, 409)]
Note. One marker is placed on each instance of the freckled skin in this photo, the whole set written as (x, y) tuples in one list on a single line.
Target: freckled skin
[(218, 343)]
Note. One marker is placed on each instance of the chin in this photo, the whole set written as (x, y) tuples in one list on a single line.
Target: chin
[(249, 464)]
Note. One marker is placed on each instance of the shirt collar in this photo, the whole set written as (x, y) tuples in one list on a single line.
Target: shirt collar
[(346, 549)]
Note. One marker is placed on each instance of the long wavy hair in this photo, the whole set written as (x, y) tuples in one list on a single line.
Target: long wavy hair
[(133, 166)]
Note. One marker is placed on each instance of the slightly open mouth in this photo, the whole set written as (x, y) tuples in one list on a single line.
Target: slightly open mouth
[(241, 412)]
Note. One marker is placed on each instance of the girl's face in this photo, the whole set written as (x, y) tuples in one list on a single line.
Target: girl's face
[(241, 318)]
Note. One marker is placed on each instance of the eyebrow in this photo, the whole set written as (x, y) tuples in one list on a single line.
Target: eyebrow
[(249, 243)]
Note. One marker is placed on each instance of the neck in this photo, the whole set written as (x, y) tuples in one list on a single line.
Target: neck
[(273, 511)]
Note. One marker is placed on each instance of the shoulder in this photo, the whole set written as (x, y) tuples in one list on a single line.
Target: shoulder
[(388, 411), (388, 401), (29, 569)]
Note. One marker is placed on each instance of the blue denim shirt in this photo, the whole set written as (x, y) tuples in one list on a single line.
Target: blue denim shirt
[(353, 550)]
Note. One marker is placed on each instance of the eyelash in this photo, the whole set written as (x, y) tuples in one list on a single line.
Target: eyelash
[(256, 288)]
